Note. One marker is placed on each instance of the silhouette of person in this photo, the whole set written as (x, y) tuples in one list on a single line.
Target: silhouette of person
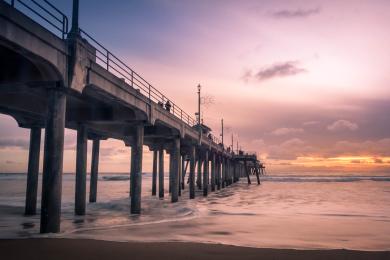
[(168, 106)]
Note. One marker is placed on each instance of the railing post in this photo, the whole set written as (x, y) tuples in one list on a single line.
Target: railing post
[(181, 114), (149, 92), (132, 78), (13, 3)]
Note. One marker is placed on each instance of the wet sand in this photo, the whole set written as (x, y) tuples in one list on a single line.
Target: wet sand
[(56, 248)]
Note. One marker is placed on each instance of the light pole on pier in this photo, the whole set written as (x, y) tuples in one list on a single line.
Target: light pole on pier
[(222, 131)]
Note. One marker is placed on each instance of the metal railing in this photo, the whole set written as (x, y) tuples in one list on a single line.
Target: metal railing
[(48, 13), (45, 11), (119, 68)]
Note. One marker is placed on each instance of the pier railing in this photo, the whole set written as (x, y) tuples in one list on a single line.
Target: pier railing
[(45, 13)]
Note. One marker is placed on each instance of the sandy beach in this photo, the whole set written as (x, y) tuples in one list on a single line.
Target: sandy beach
[(60, 249)]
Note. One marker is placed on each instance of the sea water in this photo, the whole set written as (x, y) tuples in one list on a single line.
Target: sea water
[(290, 211)]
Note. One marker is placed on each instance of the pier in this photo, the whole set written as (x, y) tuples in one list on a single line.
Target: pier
[(54, 75)]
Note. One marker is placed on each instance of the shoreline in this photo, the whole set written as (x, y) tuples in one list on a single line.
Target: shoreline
[(63, 248)]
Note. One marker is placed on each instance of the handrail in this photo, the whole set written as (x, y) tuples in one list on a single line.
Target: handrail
[(119, 68), (57, 19)]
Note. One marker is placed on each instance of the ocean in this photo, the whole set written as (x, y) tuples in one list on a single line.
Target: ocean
[(285, 211)]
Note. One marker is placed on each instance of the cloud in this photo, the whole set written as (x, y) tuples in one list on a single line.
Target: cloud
[(342, 125), (289, 150), (286, 131), (278, 70), (310, 123), (296, 13)]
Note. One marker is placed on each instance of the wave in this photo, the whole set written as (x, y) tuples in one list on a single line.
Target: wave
[(116, 178), (324, 179)]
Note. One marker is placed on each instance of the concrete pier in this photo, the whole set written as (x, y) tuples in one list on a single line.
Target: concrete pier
[(81, 170), (213, 171), (154, 173), (199, 172), (136, 170), (206, 173), (218, 173), (161, 173), (52, 163), (192, 172), (32, 172), (94, 170), (175, 170), (223, 181)]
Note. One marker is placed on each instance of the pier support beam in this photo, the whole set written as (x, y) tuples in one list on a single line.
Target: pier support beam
[(94, 170), (206, 173), (199, 173), (154, 174), (213, 170), (52, 163), (223, 181), (180, 175), (257, 175), (32, 173), (81, 170), (175, 170), (192, 172), (247, 172), (219, 173), (161, 173), (136, 170)]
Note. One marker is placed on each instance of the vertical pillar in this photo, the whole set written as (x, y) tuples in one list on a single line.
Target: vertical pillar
[(154, 174), (206, 173), (199, 174), (179, 175), (257, 175), (219, 173), (81, 170), (246, 172), (32, 173), (192, 172), (136, 170), (171, 157), (175, 170), (161, 173), (213, 171), (94, 170), (228, 172), (183, 171), (223, 172), (52, 163)]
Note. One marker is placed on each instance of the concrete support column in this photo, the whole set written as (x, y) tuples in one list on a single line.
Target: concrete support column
[(206, 173), (213, 172), (199, 174), (228, 168), (136, 170), (154, 174), (179, 175), (183, 171), (219, 173), (192, 172), (171, 157), (175, 170), (223, 172), (257, 175), (32, 172), (247, 172), (52, 163), (161, 173), (94, 170), (81, 170)]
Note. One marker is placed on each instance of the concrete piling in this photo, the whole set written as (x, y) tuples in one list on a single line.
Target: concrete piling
[(94, 170), (213, 172), (175, 170), (192, 172), (136, 170), (81, 170), (52, 163), (161, 173), (154, 174), (32, 172), (199, 173), (206, 173)]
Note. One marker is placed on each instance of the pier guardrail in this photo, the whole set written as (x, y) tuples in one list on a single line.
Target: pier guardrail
[(46, 12)]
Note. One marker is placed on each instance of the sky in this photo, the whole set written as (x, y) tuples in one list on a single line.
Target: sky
[(302, 83)]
